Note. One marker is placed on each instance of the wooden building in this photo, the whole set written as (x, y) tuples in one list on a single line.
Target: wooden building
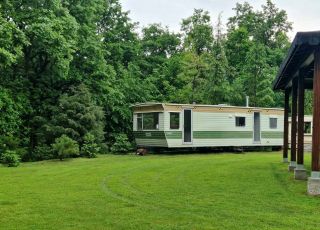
[(192, 125), (300, 71)]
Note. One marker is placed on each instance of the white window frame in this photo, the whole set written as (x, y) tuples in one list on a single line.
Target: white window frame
[(240, 116), (276, 123), (142, 128), (179, 121)]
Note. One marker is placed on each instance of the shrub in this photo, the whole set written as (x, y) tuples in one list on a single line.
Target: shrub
[(10, 158), (90, 149), (9, 142), (104, 148), (121, 144), (65, 147), (43, 152)]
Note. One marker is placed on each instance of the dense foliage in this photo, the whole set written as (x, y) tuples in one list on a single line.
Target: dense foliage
[(65, 147), (90, 148), (121, 144), (10, 158), (72, 68)]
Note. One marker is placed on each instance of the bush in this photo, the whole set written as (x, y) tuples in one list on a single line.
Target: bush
[(65, 147), (90, 149), (43, 152), (121, 144), (12, 143), (10, 158), (104, 148), (9, 143)]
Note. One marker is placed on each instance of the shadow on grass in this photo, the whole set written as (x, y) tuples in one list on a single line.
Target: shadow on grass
[(190, 151)]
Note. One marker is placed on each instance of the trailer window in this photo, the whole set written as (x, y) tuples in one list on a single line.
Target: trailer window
[(150, 121), (273, 123), (174, 120), (240, 121), (147, 121), (307, 127)]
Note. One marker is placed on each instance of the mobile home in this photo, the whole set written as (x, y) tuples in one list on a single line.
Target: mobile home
[(308, 120), (192, 125)]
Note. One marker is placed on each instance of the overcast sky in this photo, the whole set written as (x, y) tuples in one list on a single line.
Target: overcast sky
[(303, 13)]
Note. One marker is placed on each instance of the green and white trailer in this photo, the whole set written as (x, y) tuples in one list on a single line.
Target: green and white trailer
[(191, 125)]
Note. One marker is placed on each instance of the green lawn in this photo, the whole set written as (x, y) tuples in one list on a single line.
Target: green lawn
[(203, 191)]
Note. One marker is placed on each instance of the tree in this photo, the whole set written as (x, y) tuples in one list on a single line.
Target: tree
[(158, 45), (120, 40), (11, 113), (88, 65), (217, 89), (75, 67), (256, 45), (75, 115), (12, 41), (191, 78), (274, 25), (237, 46), (204, 73), (50, 33), (245, 17), (198, 32), (160, 42), (14, 103)]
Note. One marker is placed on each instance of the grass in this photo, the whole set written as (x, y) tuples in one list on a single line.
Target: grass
[(204, 191)]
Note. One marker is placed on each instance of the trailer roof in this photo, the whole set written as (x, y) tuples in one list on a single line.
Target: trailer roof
[(202, 105)]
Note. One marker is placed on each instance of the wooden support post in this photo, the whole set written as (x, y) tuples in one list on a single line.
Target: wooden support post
[(300, 118), (316, 113), (286, 126), (314, 180), (300, 173), (293, 164)]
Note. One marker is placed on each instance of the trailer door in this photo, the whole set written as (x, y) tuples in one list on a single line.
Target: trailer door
[(187, 126), (256, 127)]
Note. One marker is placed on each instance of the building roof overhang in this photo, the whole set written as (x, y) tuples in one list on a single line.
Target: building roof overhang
[(300, 57)]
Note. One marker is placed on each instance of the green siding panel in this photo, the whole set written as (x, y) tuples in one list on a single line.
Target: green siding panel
[(158, 134), (222, 134), (272, 135), (206, 134), (149, 134), (152, 142), (174, 135)]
